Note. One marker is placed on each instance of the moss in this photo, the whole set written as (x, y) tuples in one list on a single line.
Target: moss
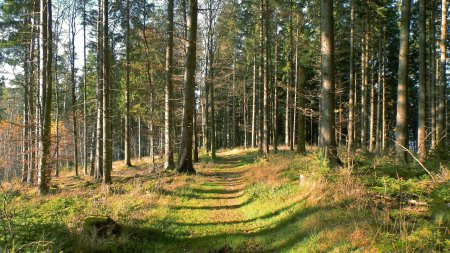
[(101, 226)]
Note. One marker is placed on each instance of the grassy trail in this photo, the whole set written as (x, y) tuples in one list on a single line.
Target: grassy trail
[(229, 208)]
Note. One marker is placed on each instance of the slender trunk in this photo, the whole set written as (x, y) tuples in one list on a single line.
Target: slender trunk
[(440, 129), (46, 56), (402, 93), (275, 96), (84, 92), (379, 84), (254, 108), (294, 109), (100, 127), (432, 88), (266, 77), (107, 131), (127, 90), (168, 113), (301, 141), (422, 116), (74, 96), (351, 103), (372, 104)]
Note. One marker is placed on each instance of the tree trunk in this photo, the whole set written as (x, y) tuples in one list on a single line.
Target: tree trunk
[(301, 141), (254, 106), (432, 86), (186, 165), (422, 116), (168, 113), (275, 95), (99, 141), (84, 92), (45, 94), (327, 123), (73, 93), (127, 89), (351, 103), (440, 129), (372, 104), (402, 93), (107, 133)]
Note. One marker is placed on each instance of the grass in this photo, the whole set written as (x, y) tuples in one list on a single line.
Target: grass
[(236, 203)]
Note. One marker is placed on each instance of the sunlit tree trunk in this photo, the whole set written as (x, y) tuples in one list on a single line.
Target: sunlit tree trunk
[(185, 164), (440, 129), (45, 94), (127, 89), (402, 93), (107, 133), (327, 123), (351, 103), (168, 114), (421, 133)]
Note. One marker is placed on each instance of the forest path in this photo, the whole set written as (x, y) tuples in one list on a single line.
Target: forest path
[(229, 207)]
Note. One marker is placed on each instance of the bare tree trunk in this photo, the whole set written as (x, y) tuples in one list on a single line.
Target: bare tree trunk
[(189, 89), (168, 113), (45, 96), (432, 88), (379, 82), (440, 129), (84, 92), (254, 106), (100, 127), (266, 43), (72, 28), (372, 104), (351, 103), (127, 90), (301, 143), (107, 131), (328, 84), (275, 96), (296, 66), (402, 95), (421, 133), (291, 80)]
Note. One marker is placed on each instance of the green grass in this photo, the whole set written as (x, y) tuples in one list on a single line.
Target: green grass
[(237, 203)]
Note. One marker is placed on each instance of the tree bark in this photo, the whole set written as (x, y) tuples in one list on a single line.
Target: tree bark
[(127, 89), (421, 132), (107, 133), (185, 164), (168, 113), (440, 129), (402, 93), (351, 103), (45, 94), (327, 123)]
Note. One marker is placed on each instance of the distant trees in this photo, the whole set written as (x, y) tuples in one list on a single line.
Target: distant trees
[(264, 73)]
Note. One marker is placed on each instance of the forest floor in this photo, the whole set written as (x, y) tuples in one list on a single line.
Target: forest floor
[(239, 203)]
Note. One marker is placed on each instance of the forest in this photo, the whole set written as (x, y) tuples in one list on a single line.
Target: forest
[(224, 126)]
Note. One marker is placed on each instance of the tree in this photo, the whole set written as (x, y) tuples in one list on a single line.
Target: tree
[(402, 90), (440, 126), (45, 95), (327, 123), (185, 164), (351, 103), (107, 133), (168, 150), (421, 133), (127, 87)]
